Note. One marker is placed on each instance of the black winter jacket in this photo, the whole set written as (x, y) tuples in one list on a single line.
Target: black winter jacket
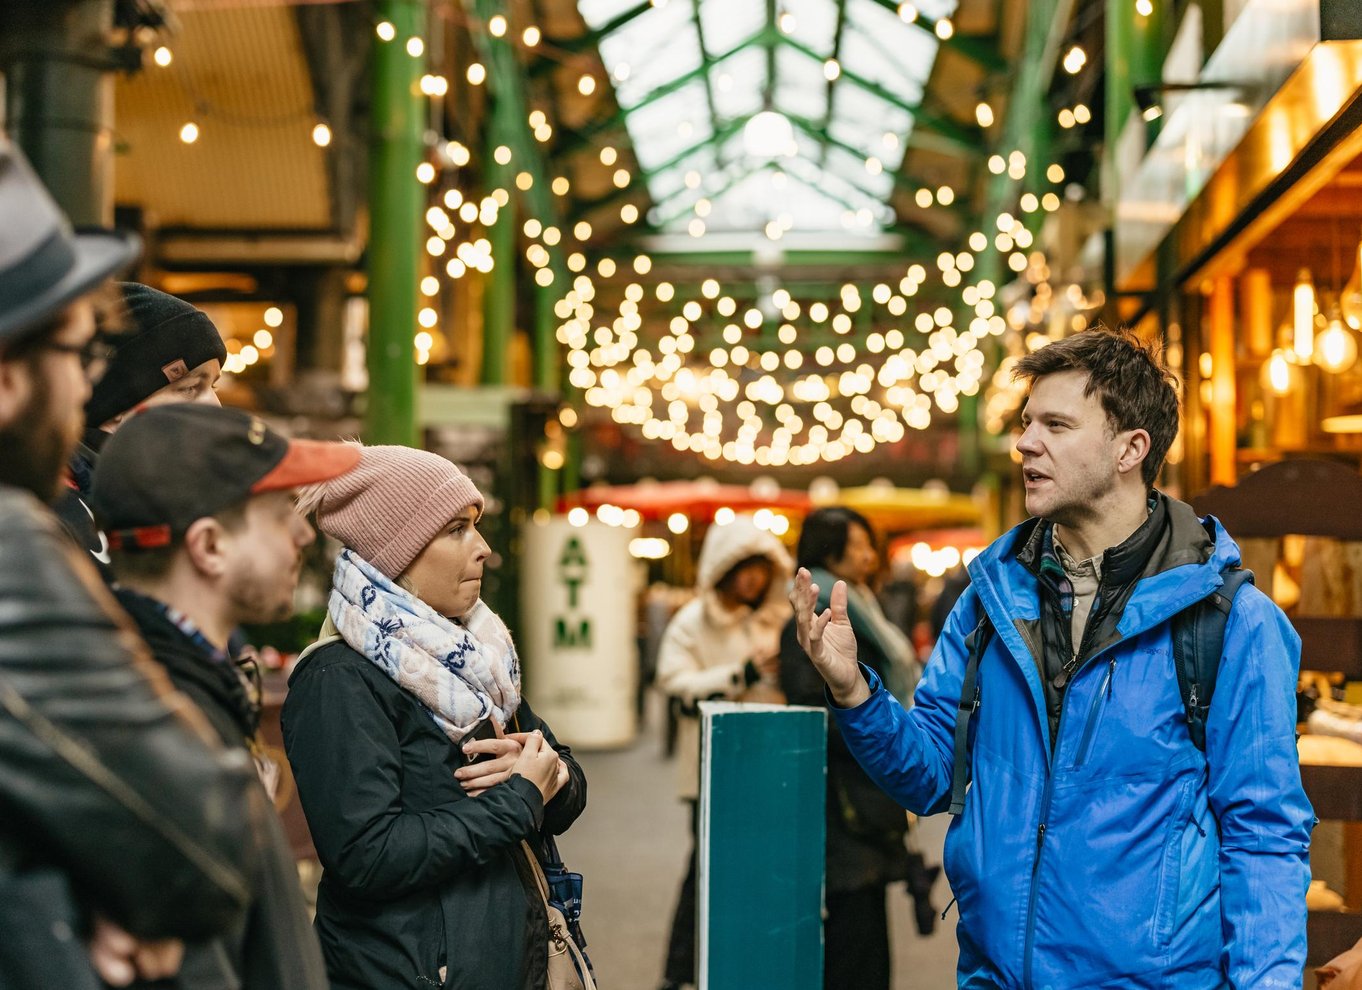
[(274, 948), (865, 827), (113, 793), (422, 885)]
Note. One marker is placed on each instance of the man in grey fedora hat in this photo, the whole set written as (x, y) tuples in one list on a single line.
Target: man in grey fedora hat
[(123, 827)]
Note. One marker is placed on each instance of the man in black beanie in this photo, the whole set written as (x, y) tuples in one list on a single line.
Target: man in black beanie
[(168, 351)]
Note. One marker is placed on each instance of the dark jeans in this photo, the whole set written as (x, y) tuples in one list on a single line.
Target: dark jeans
[(856, 941), (680, 966)]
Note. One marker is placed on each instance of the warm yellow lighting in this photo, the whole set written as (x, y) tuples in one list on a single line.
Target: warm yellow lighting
[(586, 85), (983, 113), (385, 30), (945, 30), (1082, 114), (524, 181), (496, 27), (321, 135), (425, 173), (416, 47), (532, 36), (1277, 373), (621, 178), (1336, 347), (629, 213), (582, 231), (1055, 173), (907, 13), (1074, 60), (1303, 316), (162, 56), (1066, 118), (430, 285), (189, 133), (1144, 7), (274, 317), (476, 73), (945, 195), (502, 155), (678, 523), (263, 340), (923, 198), (433, 85), (831, 70)]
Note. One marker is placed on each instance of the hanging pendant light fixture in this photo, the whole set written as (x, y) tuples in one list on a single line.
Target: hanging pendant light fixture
[(1303, 316), (1336, 347)]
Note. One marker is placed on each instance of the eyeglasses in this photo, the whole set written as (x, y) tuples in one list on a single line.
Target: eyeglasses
[(95, 355)]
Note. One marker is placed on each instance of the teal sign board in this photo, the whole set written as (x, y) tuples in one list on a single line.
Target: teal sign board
[(763, 775)]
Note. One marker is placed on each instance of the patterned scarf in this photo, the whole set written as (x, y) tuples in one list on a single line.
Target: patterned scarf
[(460, 672)]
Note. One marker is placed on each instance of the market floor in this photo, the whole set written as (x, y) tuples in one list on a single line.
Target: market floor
[(631, 846)]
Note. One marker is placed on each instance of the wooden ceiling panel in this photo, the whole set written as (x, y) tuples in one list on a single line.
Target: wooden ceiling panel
[(240, 74)]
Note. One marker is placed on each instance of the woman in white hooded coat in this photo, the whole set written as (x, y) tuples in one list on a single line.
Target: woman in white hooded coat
[(723, 644)]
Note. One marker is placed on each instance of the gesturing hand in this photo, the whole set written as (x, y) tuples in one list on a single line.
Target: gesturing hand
[(828, 639), (539, 764)]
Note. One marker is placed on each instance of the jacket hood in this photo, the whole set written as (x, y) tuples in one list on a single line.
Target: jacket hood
[(1185, 568), (726, 546)]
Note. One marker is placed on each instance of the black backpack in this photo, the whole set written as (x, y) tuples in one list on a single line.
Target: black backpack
[(1198, 642)]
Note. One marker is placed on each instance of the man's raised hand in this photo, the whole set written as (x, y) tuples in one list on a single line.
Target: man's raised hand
[(828, 639)]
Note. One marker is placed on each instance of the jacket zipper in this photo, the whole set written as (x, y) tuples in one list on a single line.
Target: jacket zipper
[(1040, 830), (1103, 693)]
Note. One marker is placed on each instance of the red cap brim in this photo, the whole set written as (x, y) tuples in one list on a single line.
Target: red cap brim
[(307, 462)]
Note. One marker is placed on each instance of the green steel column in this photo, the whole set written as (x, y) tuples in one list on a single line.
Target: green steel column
[(396, 202), (508, 88), (1135, 55), (498, 315), (761, 845), (59, 99)]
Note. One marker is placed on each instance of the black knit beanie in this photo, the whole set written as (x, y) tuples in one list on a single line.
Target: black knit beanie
[(165, 339)]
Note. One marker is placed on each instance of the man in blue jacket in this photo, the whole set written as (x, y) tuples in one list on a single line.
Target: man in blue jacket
[(1098, 845)]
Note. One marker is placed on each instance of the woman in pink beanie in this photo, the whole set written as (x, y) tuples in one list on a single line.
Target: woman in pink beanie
[(427, 878)]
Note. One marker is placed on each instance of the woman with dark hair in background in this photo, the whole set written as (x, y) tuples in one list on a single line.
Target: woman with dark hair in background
[(866, 830)]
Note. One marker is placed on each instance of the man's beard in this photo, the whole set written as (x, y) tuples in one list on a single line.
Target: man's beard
[(34, 448)]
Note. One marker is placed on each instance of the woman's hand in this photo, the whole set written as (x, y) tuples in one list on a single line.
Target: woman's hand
[(539, 764), (120, 958), (505, 750)]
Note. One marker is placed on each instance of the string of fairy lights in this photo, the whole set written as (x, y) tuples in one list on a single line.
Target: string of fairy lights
[(794, 375)]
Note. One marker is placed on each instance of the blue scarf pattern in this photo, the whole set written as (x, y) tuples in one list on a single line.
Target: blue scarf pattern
[(461, 672)]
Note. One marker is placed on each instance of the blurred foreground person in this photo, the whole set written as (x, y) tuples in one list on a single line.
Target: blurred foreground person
[(1159, 837), (123, 822), (163, 351), (426, 778), (197, 504), (866, 829), (724, 643)]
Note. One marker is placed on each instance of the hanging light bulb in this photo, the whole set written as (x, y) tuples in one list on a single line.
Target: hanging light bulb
[(1303, 316), (1278, 372), (1336, 347)]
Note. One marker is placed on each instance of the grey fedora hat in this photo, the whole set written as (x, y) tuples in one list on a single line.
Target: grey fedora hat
[(44, 264)]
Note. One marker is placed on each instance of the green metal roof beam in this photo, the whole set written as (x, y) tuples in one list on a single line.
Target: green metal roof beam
[(968, 138), (592, 39), (705, 63), (905, 182), (768, 91), (972, 48), (583, 138), (717, 137), (837, 34)]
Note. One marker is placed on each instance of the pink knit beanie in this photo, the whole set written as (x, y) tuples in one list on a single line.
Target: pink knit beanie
[(391, 505)]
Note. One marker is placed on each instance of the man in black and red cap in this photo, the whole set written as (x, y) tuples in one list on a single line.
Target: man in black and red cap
[(118, 804), (164, 351), (197, 505)]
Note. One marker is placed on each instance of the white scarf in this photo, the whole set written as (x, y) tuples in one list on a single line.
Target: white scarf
[(460, 672)]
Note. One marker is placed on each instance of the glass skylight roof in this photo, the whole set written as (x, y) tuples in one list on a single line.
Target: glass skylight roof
[(690, 74)]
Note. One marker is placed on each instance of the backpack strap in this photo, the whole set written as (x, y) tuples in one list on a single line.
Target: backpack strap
[(975, 645), (1198, 643)]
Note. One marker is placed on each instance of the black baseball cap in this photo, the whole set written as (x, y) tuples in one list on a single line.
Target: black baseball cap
[(170, 465)]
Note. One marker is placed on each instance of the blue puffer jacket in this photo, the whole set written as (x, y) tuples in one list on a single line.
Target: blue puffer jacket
[(1128, 858)]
